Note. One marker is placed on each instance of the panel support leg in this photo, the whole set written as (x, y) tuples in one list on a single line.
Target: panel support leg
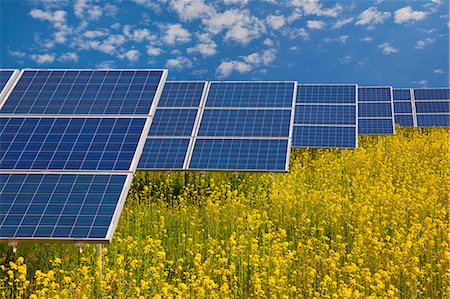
[(99, 256), (14, 245)]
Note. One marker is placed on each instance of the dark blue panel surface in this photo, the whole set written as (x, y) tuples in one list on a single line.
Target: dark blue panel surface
[(431, 94), (404, 120), (83, 92), (60, 206), (164, 153), (374, 109), (173, 122), (374, 94), (325, 114), (245, 122), (375, 126), (239, 154), (250, 94), (433, 120), (433, 107), (402, 107), (402, 94), (69, 143), (4, 78), (182, 94), (326, 94), (324, 136)]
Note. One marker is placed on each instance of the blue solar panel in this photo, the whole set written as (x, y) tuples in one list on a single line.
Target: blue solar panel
[(402, 94), (404, 120), (402, 107), (5, 75), (245, 122), (326, 94), (58, 206), (83, 92), (164, 153), (375, 126), (433, 120), (324, 137), (427, 94), (374, 109), (69, 143), (325, 114), (239, 154), (433, 107), (173, 122), (250, 94), (374, 94), (182, 94)]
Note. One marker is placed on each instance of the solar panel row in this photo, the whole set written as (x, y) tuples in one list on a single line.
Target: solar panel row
[(432, 107)]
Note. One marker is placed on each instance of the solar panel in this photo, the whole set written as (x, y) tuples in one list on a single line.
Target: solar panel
[(326, 116), (60, 206), (432, 107), (171, 131), (375, 111), (244, 126), (5, 75), (86, 92), (403, 107), (66, 165)]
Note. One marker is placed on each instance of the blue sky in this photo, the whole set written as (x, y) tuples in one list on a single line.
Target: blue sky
[(398, 43)]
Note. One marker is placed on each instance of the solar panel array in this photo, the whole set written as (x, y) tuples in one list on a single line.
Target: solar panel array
[(403, 107), (326, 116), (70, 142), (432, 107), (375, 111)]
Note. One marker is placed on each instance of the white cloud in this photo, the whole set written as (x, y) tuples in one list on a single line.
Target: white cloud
[(17, 54), (439, 71), (263, 57), (227, 67), (95, 33), (313, 7), (175, 34), (154, 51), (192, 10), (84, 9), (367, 39), (294, 48), (58, 16), (268, 42), (149, 4), (372, 16), (342, 22), (179, 63), (421, 82), (239, 2), (131, 55), (68, 57), (341, 39), (276, 22), (107, 64), (346, 59), (315, 24), (387, 48), (420, 44), (206, 46), (137, 35), (407, 14), (43, 58)]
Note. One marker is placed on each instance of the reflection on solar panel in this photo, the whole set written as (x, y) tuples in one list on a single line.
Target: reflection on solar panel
[(59, 206), (244, 126), (65, 176), (432, 107), (83, 92), (7, 78), (171, 130), (403, 107), (326, 116), (375, 111)]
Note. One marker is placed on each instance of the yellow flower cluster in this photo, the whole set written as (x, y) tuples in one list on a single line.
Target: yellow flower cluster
[(365, 223)]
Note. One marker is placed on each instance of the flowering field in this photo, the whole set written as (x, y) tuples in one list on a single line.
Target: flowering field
[(363, 223)]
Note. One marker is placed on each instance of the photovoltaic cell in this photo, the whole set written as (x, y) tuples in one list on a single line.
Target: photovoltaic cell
[(182, 94), (403, 107), (375, 126), (251, 94), (69, 143), (374, 94), (245, 122), (375, 111), (433, 107), (239, 154), (58, 206), (404, 120), (429, 94), (173, 122), (5, 75), (325, 116), (402, 94), (83, 92), (164, 153), (433, 120)]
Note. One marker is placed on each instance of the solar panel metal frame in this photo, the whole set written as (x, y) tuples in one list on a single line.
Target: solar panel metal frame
[(191, 136), (129, 173), (9, 84), (413, 97), (337, 104), (200, 115), (377, 118)]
